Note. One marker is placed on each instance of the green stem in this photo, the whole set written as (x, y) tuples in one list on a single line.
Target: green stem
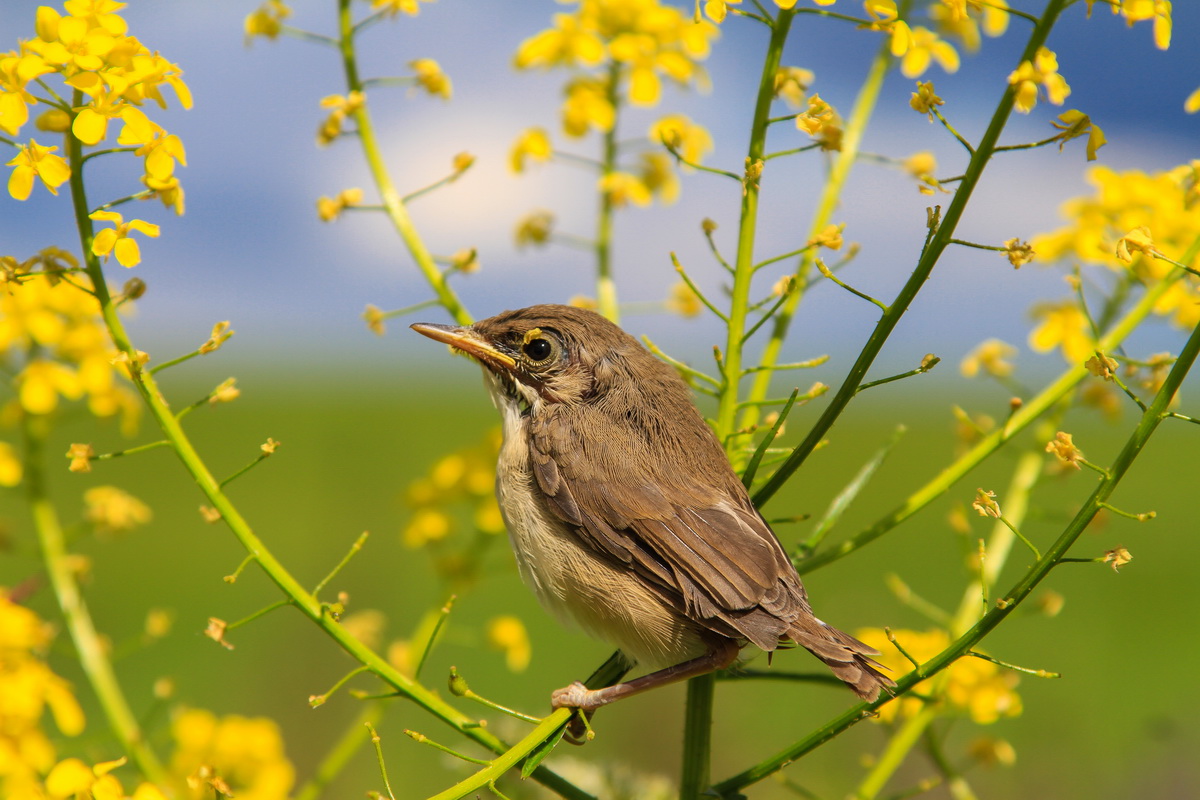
[(864, 106), (185, 450), (343, 751), (396, 210), (606, 287), (989, 444), (697, 734), (1155, 413), (697, 749), (929, 258), (743, 272), (897, 749), (93, 656)]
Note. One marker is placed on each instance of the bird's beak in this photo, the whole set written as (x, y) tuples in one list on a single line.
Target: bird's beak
[(466, 340)]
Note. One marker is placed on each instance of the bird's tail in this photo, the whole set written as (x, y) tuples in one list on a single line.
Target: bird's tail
[(847, 657)]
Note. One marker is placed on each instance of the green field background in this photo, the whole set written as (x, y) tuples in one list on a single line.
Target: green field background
[(1121, 723)]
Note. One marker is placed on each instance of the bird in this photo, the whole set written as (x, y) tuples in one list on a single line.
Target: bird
[(624, 513)]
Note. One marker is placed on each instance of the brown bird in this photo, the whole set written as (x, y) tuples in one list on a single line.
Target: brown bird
[(624, 513)]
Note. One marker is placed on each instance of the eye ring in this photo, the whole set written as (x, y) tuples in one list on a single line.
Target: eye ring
[(539, 350)]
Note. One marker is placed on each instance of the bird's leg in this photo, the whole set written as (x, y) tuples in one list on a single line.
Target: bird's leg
[(722, 653)]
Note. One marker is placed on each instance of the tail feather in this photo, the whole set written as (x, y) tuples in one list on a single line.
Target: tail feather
[(847, 657)]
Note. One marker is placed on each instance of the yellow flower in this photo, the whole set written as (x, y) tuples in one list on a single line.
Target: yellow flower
[(220, 334), (42, 381), (431, 78), (534, 228), (330, 208), (658, 175), (717, 9), (81, 456), (508, 635), (1075, 123), (980, 688), (427, 525), (1041, 72), (791, 83), (1018, 252), (1063, 325), (924, 100), (10, 465), (991, 357), (1192, 104), (820, 121), (35, 161), (117, 241), (683, 136), (245, 755), (683, 301), (532, 144), (623, 188), (267, 20), (1064, 449), (112, 510), (922, 166), (393, 7), (587, 106), (830, 237), (1138, 240), (924, 47), (885, 17), (985, 503), (963, 18), (28, 689), (340, 108), (1157, 10), (569, 43), (646, 39), (1117, 558)]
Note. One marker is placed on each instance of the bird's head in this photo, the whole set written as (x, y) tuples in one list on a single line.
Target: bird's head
[(546, 354)]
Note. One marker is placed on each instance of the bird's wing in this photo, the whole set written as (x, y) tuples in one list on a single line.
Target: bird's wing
[(692, 533)]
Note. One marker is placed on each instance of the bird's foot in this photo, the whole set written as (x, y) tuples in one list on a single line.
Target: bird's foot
[(585, 702)]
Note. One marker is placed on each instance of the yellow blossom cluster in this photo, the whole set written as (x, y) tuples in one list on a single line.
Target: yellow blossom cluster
[(231, 756), (54, 341), (640, 41), (464, 477), (1128, 215), (983, 690), (113, 73), (28, 689)]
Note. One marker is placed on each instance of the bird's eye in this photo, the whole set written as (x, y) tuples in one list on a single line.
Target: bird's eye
[(539, 349)]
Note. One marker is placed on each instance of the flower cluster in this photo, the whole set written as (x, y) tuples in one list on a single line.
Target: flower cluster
[(53, 339), (1128, 215), (641, 41), (112, 76), (981, 689), (28, 689), (231, 756)]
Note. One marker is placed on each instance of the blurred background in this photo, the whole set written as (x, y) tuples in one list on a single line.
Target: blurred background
[(362, 417)]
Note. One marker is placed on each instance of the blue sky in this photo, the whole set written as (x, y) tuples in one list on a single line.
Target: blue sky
[(250, 248)]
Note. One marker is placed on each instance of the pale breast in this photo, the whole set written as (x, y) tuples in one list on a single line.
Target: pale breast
[(571, 581)]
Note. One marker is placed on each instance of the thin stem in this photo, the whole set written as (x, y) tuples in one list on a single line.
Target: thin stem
[(606, 287), (393, 204), (938, 242), (340, 755), (184, 448), (990, 443), (93, 654), (864, 105), (1012, 599)]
